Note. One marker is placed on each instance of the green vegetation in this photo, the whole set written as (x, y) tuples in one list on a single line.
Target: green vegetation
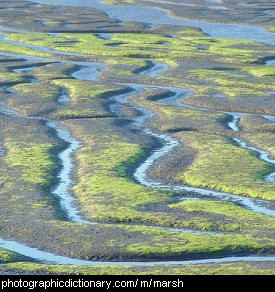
[(9, 257), (188, 244), (264, 141), (152, 46), (17, 49), (261, 71), (202, 269), (123, 167), (271, 28), (220, 165), (87, 91), (53, 71), (106, 194), (243, 219), (234, 84), (10, 77), (36, 160), (256, 124), (38, 90), (178, 117), (125, 53), (222, 74), (103, 190)]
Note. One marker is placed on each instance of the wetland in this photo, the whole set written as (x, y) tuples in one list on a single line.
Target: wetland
[(136, 142)]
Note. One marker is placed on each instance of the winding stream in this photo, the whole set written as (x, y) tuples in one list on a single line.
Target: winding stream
[(66, 200), (176, 100), (169, 144), (262, 155), (90, 71), (270, 62), (51, 258), (68, 203)]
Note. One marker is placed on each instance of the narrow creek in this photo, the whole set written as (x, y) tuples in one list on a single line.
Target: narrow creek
[(177, 100), (47, 257), (168, 145), (90, 71), (62, 191), (68, 201)]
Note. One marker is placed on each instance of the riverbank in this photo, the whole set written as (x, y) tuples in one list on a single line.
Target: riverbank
[(97, 112)]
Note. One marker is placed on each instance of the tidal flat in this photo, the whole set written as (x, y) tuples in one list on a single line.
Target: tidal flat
[(136, 147)]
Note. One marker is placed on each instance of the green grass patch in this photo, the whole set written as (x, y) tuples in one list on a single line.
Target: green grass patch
[(102, 178), (10, 77), (9, 256), (196, 243), (202, 269), (222, 166), (17, 49), (243, 218), (38, 90), (261, 71), (36, 161), (87, 91), (149, 45)]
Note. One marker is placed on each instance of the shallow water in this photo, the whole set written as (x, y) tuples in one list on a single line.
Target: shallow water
[(6, 29), (48, 257), (270, 62), (173, 3), (178, 100), (234, 123), (69, 205), (155, 70), (169, 144), (64, 98), (90, 71), (2, 151), (156, 16), (67, 202), (214, 1), (24, 70), (262, 155), (270, 118), (104, 36), (62, 191)]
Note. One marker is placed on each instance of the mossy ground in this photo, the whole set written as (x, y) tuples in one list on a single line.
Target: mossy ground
[(223, 166), (32, 201), (9, 265), (216, 164), (222, 74), (152, 46)]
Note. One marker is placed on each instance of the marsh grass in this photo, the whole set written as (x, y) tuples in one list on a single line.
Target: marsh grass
[(206, 269), (223, 166)]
